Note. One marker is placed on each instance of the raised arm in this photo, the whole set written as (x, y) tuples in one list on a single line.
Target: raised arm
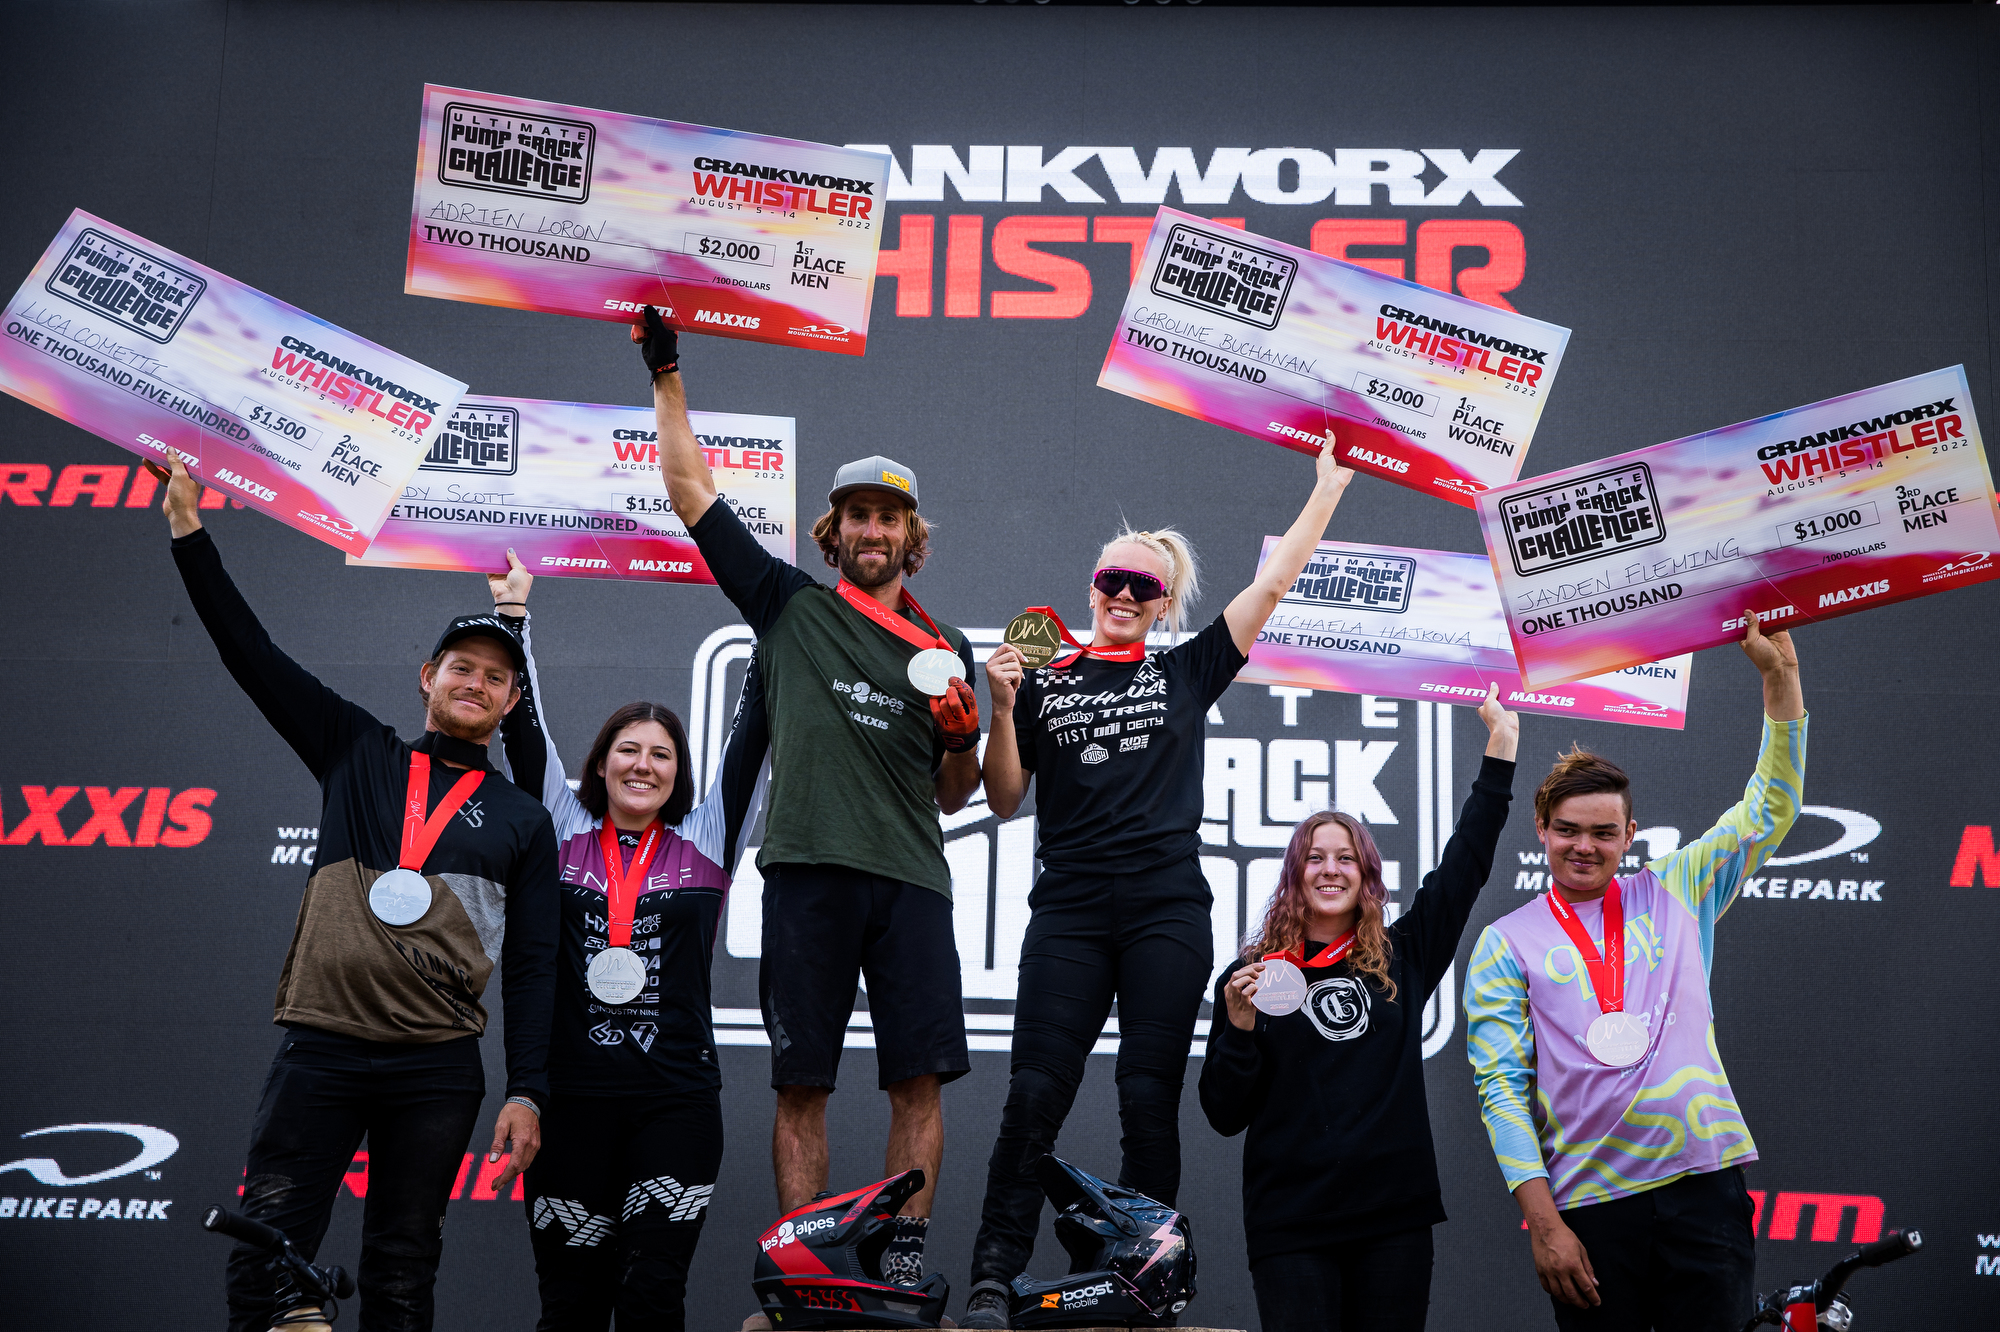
[(758, 582), (1707, 874), (690, 485), (1254, 604), (317, 723), (527, 749), (721, 824), (1442, 906)]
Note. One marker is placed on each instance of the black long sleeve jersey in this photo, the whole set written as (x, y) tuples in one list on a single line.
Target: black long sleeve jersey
[(663, 1040), (495, 862), (1339, 1144)]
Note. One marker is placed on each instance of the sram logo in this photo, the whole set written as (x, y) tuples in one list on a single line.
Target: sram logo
[(726, 320), (1976, 858), (165, 818)]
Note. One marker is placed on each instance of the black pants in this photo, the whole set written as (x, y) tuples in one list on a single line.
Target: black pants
[(615, 1204), (1679, 1258), (1376, 1285), (1144, 939), (416, 1105), (825, 926)]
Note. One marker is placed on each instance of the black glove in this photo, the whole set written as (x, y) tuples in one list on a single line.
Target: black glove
[(659, 344)]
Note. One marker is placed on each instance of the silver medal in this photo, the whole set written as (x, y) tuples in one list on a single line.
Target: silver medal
[(400, 897), (932, 670), (616, 976), (1280, 990), (1615, 1039)]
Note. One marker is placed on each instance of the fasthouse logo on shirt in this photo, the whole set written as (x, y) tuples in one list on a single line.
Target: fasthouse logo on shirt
[(1146, 683)]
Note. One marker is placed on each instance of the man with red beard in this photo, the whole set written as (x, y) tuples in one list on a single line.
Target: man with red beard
[(431, 868), (874, 730)]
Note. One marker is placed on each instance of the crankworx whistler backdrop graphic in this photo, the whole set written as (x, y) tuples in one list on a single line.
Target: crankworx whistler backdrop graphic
[(1677, 186)]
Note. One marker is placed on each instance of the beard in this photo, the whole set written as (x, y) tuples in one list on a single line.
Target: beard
[(861, 575), (438, 707)]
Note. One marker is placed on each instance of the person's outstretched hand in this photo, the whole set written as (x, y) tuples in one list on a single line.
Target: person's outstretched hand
[(182, 497), (658, 343), (1778, 662), (957, 713), (1503, 728), (511, 588)]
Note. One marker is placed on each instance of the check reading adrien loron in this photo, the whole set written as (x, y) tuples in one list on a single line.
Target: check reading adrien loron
[(1223, 276), (1574, 522)]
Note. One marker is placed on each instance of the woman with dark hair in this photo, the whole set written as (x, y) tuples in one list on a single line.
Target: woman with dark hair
[(615, 1208), (1340, 1185)]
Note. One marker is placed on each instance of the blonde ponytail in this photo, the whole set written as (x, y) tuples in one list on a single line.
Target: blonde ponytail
[(1183, 570)]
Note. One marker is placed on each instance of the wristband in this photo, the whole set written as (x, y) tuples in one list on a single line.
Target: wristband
[(522, 604), (522, 1100)]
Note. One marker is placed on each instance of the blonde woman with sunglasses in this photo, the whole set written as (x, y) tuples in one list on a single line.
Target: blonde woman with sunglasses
[(1121, 910)]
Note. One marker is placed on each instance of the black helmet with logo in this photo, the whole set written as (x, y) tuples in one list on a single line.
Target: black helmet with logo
[(821, 1266), (1131, 1258)]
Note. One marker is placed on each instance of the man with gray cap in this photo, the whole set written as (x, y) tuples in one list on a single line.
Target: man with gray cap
[(874, 730), (431, 869)]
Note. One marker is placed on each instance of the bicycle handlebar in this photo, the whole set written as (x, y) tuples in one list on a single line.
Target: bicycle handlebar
[(1896, 1244), (244, 1230)]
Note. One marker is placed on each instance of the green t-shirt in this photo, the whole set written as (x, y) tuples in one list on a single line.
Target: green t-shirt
[(854, 749)]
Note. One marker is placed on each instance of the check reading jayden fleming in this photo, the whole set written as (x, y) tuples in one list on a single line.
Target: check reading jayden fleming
[(1426, 624), (1841, 506), (265, 403), (569, 210), (573, 488), (1421, 387)]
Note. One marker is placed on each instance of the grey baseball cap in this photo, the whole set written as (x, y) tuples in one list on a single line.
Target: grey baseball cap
[(876, 473)]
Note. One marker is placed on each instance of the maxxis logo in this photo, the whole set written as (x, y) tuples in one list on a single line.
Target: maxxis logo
[(163, 817)]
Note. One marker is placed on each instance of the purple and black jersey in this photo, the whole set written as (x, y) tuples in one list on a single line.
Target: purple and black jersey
[(663, 1039)]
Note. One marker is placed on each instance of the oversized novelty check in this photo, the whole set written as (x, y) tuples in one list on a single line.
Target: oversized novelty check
[(283, 411), (541, 206), (1421, 387), (1427, 624), (575, 489), (1848, 504)]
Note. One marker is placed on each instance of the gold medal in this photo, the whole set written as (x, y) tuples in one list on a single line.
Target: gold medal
[(1036, 636)]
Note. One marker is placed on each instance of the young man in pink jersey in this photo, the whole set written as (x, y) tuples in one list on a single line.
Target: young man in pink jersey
[(1599, 1078)]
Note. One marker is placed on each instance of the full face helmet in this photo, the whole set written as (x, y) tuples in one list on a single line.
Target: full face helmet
[(1131, 1258), (821, 1266)]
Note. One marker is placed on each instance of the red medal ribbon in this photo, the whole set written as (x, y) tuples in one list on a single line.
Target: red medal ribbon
[(895, 624), (421, 834), (1325, 957), (1120, 652), (622, 887), (1607, 974)]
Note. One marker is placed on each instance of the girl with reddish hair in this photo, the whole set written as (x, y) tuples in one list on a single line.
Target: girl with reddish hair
[(1340, 1184)]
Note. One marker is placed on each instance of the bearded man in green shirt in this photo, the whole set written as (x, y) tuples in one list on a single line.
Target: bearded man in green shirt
[(874, 731)]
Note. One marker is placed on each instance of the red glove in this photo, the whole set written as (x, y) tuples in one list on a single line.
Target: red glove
[(957, 713)]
